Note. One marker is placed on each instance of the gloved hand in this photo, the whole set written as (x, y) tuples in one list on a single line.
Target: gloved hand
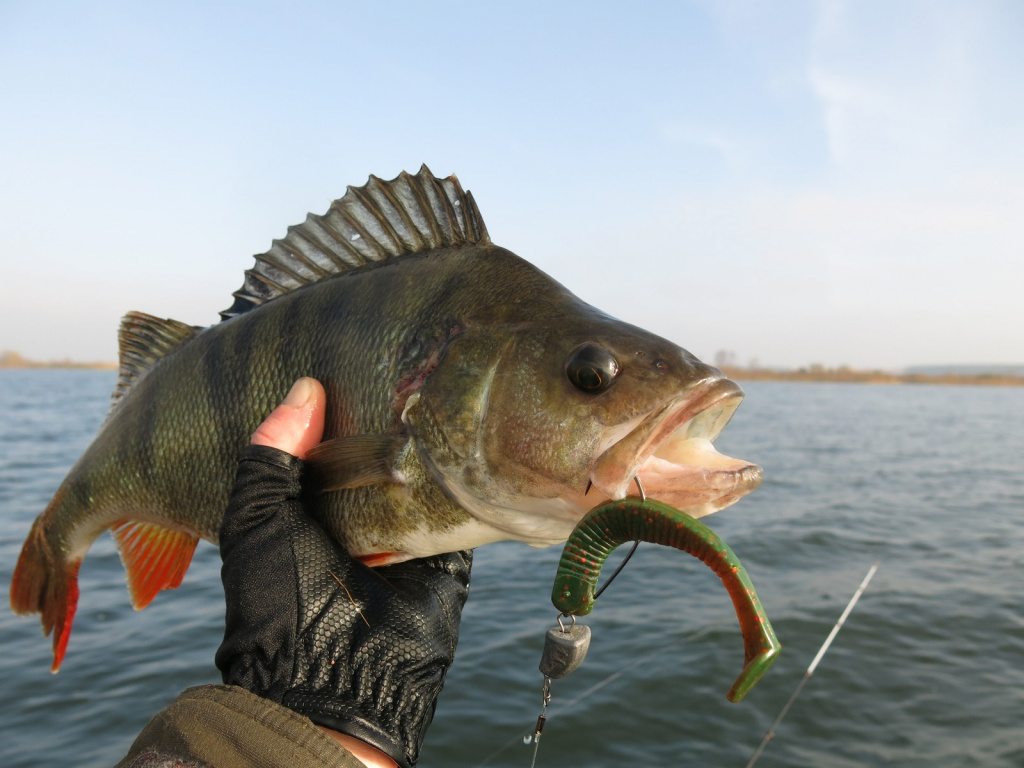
[(357, 650)]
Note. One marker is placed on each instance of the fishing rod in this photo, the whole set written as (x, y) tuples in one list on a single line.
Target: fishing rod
[(814, 664)]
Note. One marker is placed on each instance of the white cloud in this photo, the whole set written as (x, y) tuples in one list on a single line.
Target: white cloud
[(897, 83)]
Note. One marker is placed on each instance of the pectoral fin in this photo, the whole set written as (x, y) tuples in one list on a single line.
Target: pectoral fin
[(356, 460)]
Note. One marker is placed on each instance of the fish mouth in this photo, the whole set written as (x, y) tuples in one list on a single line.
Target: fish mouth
[(670, 454)]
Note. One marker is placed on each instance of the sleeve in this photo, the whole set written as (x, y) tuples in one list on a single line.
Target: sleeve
[(224, 726)]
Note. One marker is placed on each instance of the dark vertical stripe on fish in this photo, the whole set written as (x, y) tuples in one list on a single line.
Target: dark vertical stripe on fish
[(293, 354), (212, 379), (138, 449)]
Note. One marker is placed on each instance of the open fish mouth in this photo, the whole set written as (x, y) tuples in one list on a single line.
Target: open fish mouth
[(672, 454)]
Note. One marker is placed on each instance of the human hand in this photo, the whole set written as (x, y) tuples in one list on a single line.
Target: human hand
[(360, 652)]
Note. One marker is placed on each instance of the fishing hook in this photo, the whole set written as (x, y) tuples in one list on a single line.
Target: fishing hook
[(622, 564), (636, 479)]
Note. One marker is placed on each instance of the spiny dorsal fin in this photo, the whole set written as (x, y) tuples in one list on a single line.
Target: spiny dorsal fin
[(375, 222), (144, 339)]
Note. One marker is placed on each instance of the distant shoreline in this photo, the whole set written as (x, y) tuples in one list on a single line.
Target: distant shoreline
[(817, 374), (14, 361), (62, 365), (814, 374)]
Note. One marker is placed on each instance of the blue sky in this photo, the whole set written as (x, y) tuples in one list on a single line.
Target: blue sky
[(796, 182)]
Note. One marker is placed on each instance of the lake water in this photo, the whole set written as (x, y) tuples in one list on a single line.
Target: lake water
[(928, 670)]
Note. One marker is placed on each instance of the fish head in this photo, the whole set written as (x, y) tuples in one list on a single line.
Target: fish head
[(529, 422)]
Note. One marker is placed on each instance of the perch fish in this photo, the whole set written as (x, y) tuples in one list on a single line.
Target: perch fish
[(470, 399)]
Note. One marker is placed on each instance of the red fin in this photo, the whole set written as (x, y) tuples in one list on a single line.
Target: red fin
[(41, 584), (63, 619), (383, 558), (155, 558)]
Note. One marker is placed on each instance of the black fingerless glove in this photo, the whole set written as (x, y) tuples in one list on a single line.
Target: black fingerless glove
[(357, 650)]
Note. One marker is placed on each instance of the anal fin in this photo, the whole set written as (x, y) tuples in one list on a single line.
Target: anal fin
[(154, 557)]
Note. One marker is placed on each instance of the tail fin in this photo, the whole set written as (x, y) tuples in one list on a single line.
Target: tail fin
[(156, 558), (46, 585)]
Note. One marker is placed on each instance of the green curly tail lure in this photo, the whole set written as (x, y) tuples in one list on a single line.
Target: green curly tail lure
[(609, 525)]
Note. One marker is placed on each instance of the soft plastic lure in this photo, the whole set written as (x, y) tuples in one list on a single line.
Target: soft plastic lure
[(606, 527)]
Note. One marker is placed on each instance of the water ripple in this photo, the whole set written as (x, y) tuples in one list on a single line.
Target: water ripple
[(929, 669)]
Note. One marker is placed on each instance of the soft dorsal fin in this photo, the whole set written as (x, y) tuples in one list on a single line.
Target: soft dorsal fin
[(375, 222), (144, 339)]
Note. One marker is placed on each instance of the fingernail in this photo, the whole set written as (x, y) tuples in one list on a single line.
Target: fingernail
[(299, 394)]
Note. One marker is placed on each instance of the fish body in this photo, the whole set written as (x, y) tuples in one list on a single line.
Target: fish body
[(470, 399)]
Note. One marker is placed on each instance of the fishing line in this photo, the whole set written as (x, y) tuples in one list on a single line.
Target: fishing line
[(814, 664), (527, 736), (568, 651), (617, 571), (643, 497)]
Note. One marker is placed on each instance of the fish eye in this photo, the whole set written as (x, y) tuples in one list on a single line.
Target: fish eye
[(591, 368)]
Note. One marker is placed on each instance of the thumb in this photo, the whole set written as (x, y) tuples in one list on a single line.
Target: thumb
[(297, 424)]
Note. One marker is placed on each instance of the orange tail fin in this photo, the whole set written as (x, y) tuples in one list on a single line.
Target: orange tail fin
[(155, 558), (42, 584)]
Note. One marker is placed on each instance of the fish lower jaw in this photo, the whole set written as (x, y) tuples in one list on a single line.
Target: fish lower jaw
[(695, 479), (699, 490)]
